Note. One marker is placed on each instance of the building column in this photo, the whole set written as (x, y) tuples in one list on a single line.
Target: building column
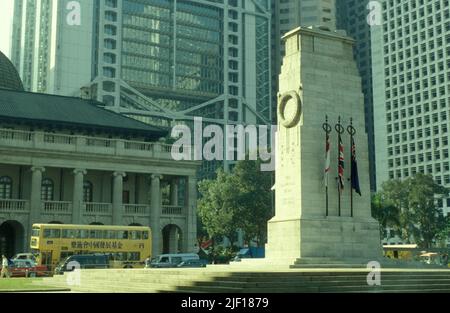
[(35, 198), (190, 239), (77, 200), (117, 201), (174, 192), (155, 213)]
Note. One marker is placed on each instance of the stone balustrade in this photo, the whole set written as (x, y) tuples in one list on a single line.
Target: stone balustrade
[(136, 209), (172, 210), (83, 144), (10, 205), (98, 208), (65, 207), (56, 206)]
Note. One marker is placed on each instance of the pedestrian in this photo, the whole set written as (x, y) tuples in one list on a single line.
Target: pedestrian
[(5, 267), (147, 262)]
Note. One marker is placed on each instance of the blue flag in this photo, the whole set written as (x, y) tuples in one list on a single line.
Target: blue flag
[(354, 166)]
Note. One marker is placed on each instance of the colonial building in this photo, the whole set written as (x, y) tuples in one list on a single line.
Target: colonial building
[(67, 160)]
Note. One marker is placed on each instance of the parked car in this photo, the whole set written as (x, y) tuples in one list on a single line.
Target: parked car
[(193, 263), (249, 253), (85, 261), (243, 254), (172, 260), (27, 268), (24, 256)]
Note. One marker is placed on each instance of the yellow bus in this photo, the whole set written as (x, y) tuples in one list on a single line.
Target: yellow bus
[(126, 246), (408, 252)]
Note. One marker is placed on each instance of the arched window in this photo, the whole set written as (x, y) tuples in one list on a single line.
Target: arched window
[(47, 189), (87, 191), (5, 187)]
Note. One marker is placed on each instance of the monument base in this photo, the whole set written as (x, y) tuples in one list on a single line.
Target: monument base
[(324, 239)]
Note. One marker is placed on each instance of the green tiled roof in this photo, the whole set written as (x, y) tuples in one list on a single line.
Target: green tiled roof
[(9, 78), (36, 108)]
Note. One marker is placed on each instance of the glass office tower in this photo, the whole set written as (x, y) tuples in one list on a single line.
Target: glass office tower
[(160, 61)]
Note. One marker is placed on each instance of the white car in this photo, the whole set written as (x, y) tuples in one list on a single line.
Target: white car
[(24, 256)]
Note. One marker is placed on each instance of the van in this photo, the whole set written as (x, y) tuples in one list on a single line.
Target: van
[(86, 261), (172, 260)]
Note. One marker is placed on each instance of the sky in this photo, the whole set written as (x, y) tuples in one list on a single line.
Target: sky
[(6, 14)]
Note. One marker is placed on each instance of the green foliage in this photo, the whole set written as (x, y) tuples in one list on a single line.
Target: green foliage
[(410, 206), (241, 199)]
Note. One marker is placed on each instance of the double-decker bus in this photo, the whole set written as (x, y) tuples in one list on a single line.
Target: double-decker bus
[(126, 246)]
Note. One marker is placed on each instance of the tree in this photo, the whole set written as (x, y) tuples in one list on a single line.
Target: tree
[(217, 206), (427, 220), (385, 212), (411, 205), (238, 200), (254, 199), (444, 234)]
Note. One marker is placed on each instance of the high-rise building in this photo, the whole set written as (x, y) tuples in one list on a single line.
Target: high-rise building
[(352, 17), (348, 15), (411, 84), (289, 14), (52, 55), (160, 61)]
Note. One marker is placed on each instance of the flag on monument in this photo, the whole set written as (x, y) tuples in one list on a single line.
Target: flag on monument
[(327, 159), (354, 174), (341, 165)]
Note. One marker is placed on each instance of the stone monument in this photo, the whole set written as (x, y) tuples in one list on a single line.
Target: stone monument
[(319, 80)]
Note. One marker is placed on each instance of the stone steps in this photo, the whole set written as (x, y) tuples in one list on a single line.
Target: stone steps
[(208, 280), (237, 282)]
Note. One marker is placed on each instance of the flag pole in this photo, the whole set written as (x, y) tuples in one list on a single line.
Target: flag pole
[(340, 130), (327, 128), (351, 131)]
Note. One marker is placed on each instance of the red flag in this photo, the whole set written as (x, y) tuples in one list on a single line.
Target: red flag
[(206, 244)]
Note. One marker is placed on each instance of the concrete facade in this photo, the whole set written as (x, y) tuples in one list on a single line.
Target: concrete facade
[(319, 78), (352, 16), (83, 179), (289, 14), (411, 67)]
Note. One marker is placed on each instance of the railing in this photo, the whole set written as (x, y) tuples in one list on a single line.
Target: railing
[(11, 135), (139, 146), (102, 208), (139, 209), (100, 142), (172, 210), (59, 139), (83, 144), (13, 205), (166, 148), (57, 206)]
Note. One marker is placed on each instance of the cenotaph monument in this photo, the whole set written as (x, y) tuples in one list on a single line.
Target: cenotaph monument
[(320, 100)]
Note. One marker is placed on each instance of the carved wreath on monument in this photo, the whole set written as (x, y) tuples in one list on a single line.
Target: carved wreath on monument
[(290, 109)]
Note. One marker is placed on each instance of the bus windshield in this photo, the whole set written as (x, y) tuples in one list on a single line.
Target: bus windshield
[(35, 232)]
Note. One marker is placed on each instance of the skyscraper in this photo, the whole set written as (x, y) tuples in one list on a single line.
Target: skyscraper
[(352, 17), (411, 75), (348, 15), (159, 61), (289, 14), (51, 54)]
